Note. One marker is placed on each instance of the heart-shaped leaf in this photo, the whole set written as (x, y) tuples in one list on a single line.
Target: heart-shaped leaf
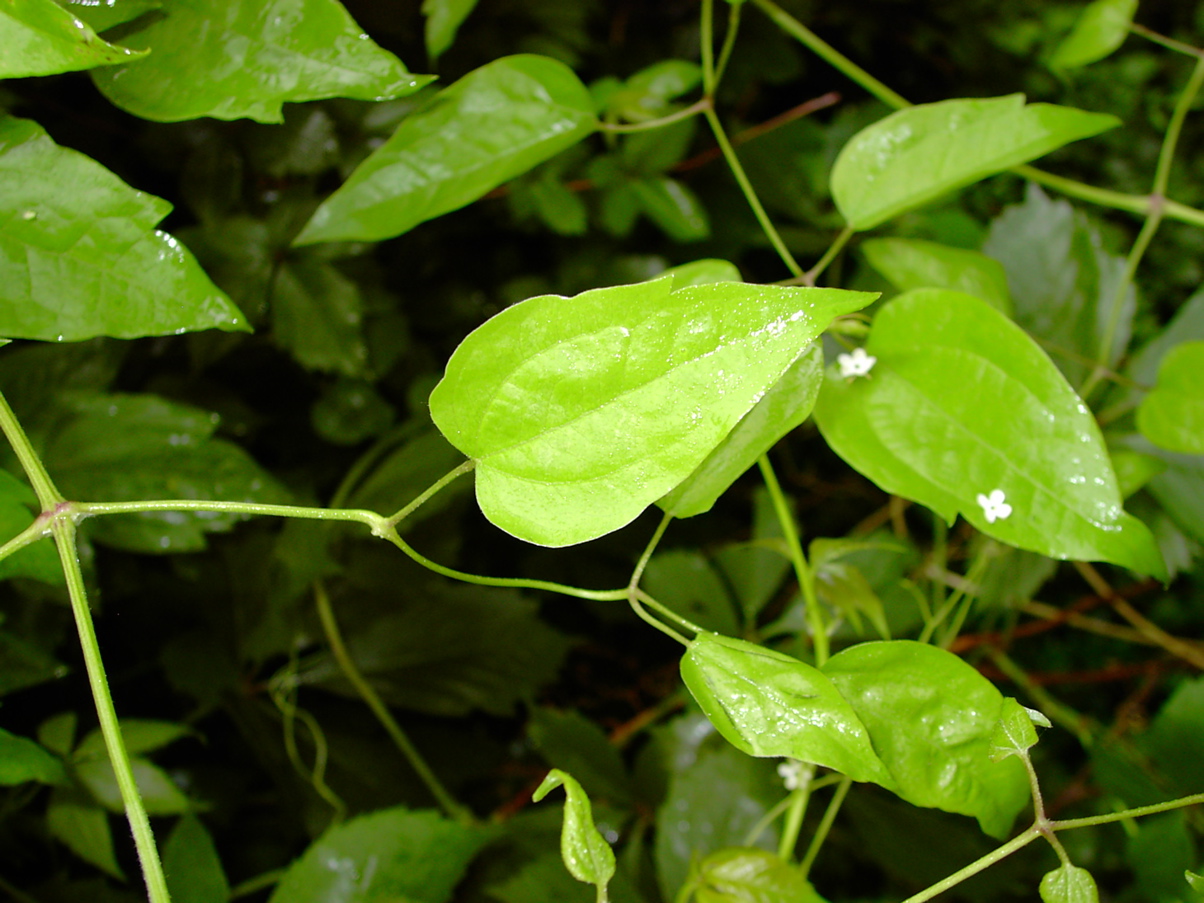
[(964, 412), (919, 153), (581, 412)]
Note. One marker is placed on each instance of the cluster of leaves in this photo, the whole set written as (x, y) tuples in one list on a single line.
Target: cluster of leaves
[(332, 321)]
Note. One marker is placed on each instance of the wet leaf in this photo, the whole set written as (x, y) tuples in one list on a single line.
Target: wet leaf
[(586, 854), (1172, 416), (1101, 28), (39, 37)]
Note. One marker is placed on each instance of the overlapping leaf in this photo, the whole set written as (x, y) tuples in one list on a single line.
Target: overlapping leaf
[(231, 59), (911, 263), (494, 124), (39, 37), (581, 412), (1172, 416), (79, 254), (919, 153), (1101, 28), (963, 404)]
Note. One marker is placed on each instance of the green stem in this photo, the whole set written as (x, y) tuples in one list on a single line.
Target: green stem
[(767, 226), (729, 42), (982, 863), (135, 812), (668, 612), (379, 525), (339, 649), (409, 509), (1195, 799), (706, 40), (699, 106), (39, 529), (48, 495), (809, 277), (794, 815), (825, 825), (802, 571), (1169, 43)]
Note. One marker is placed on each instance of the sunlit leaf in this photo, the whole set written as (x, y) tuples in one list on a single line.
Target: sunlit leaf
[(919, 153), (1069, 884), (80, 255), (586, 854), (39, 37), (963, 412), (1172, 416), (911, 263), (1101, 28), (494, 124), (931, 718), (769, 704), (581, 412)]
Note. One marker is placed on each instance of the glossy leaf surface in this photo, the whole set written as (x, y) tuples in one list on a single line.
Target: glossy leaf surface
[(749, 875), (1101, 28), (919, 153), (494, 124), (1069, 884), (580, 412), (391, 854), (961, 405), (39, 37), (931, 717), (911, 263), (586, 854), (234, 59), (1172, 416), (780, 410), (769, 704), (80, 256)]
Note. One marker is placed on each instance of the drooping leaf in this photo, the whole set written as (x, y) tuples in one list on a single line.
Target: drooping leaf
[(586, 854), (231, 59), (79, 254), (842, 586), (963, 412), (1172, 416), (1068, 884), (769, 704), (787, 404), (23, 760), (750, 875), (317, 314), (393, 854), (919, 153), (39, 37), (1101, 28), (443, 19), (190, 860), (911, 263), (931, 718), (494, 124), (580, 412)]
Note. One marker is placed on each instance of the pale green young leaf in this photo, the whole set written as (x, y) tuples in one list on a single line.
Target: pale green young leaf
[(1172, 416), (750, 875), (391, 854), (911, 263), (931, 718), (766, 703), (581, 412), (39, 37), (79, 254), (23, 760), (963, 412), (1101, 28), (494, 124), (919, 153), (779, 411), (190, 861), (443, 19), (585, 852), (234, 59), (1014, 733), (83, 826), (103, 16), (1068, 884)]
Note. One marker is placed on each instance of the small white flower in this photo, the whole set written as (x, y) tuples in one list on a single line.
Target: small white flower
[(856, 364), (993, 506), (791, 773)]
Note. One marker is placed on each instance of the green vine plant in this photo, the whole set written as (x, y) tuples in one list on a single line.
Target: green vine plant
[(575, 414)]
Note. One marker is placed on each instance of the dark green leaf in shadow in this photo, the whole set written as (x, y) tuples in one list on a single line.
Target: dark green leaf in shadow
[(40, 560), (931, 718), (83, 826), (571, 742), (585, 852), (140, 736), (194, 871), (1172, 416), (1175, 740), (1068, 884), (674, 208), (231, 59), (317, 315), (646, 94), (684, 580), (492, 125), (1101, 28), (963, 412), (580, 412), (911, 263), (443, 19), (919, 153), (23, 760), (80, 256), (39, 37)]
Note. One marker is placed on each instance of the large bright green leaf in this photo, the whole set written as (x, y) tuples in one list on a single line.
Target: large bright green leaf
[(780, 410), (963, 412), (932, 718), (393, 854), (581, 412), (769, 704), (911, 263), (1101, 28), (231, 59), (494, 124), (1172, 416), (39, 37), (917, 154), (80, 255), (585, 852)]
